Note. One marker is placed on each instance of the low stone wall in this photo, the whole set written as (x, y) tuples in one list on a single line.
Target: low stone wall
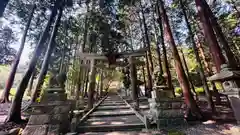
[(166, 111)]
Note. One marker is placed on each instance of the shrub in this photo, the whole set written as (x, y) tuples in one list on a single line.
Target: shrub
[(178, 90), (199, 90)]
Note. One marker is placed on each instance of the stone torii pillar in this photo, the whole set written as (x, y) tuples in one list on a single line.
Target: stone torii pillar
[(92, 81), (133, 78), (101, 84)]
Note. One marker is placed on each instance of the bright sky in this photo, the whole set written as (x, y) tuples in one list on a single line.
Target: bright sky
[(18, 32)]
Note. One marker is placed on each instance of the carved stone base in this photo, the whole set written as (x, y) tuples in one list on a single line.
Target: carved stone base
[(166, 111), (54, 97)]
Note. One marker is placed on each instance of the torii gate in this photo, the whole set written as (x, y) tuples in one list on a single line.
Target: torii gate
[(93, 57)]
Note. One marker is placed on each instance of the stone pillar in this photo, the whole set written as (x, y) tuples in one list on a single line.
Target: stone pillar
[(91, 86), (133, 77), (101, 84)]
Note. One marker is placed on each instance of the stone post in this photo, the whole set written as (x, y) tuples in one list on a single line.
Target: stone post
[(133, 77), (101, 84), (91, 87)]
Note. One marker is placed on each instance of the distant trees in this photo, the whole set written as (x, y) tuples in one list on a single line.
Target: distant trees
[(7, 37), (9, 83)]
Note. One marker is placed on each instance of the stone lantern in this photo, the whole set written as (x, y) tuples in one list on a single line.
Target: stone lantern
[(230, 79)]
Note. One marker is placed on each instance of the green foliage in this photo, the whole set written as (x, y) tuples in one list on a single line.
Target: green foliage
[(178, 90), (199, 90), (44, 87)]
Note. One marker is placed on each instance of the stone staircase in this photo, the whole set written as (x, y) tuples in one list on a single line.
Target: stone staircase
[(113, 114)]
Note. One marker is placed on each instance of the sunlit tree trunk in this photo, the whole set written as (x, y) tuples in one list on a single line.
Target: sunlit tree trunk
[(219, 34), (5, 93), (201, 71), (209, 71), (182, 78), (47, 57), (80, 81), (187, 72), (149, 75), (210, 36), (156, 40), (31, 83), (147, 39), (164, 51), (14, 114)]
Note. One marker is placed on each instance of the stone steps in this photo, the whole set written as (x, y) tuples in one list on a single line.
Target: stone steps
[(112, 115), (109, 128), (111, 104), (112, 107)]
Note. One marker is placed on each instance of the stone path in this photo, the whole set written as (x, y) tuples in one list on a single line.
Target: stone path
[(113, 114)]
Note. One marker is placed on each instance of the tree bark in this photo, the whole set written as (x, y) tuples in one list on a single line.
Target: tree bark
[(219, 34), (31, 83), (3, 5), (147, 39), (80, 83), (14, 114), (187, 72), (201, 71), (5, 93), (182, 78), (210, 36), (165, 60), (209, 71), (47, 57), (149, 76), (156, 41)]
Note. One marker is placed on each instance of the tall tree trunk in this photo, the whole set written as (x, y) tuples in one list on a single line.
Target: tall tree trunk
[(223, 42), (47, 57), (187, 72), (210, 36), (201, 71), (164, 51), (3, 5), (5, 93), (14, 114), (147, 39), (182, 78), (156, 40), (63, 50), (209, 71), (85, 35), (149, 75), (31, 83)]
